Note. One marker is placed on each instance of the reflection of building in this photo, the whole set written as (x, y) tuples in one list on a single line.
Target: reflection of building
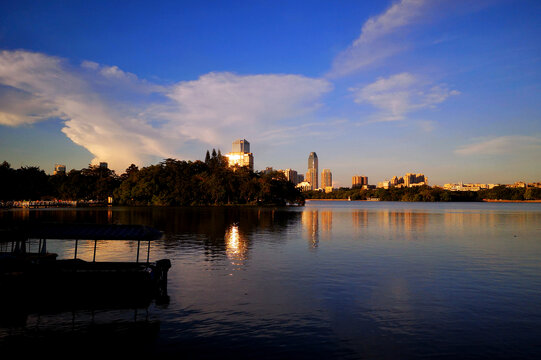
[(312, 174), (241, 155), (409, 223), (326, 223), (59, 169), (359, 181), (359, 218), (310, 224)]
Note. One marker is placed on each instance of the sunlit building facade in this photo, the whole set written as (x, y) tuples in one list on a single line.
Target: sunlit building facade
[(59, 169), (408, 180), (240, 155), (326, 179), (359, 181), (312, 174)]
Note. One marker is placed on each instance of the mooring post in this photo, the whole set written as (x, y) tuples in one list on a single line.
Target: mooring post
[(76, 241), (95, 243), (138, 246), (148, 253)]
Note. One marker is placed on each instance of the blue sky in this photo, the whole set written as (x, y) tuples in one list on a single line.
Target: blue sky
[(444, 87)]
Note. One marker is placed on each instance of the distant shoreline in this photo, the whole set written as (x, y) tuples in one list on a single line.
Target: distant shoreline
[(511, 201), (483, 200)]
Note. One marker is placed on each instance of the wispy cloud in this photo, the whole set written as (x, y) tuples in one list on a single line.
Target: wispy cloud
[(376, 41), (510, 144), (122, 119), (400, 94)]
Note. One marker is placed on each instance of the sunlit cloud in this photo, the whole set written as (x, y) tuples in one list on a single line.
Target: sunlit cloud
[(219, 103), (510, 144), (122, 119), (400, 94)]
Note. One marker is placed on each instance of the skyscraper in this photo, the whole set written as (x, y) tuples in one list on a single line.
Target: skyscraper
[(326, 178), (312, 174)]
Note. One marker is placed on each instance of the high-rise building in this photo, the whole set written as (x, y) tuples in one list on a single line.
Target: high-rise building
[(312, 174), (359, 181), (241, 146), (241, 155), (326, 178), (59, 169), (291, 175), (103, 165)]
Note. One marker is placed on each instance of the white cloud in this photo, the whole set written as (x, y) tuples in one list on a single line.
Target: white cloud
[(400, 94), (219, 103), (120, 120), (376, 41), (510, 145)]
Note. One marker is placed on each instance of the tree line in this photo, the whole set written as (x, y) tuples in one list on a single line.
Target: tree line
[(427, 194), (171, 182), (210, 182)]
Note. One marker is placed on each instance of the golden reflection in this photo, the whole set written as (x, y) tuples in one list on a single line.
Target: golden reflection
[(326, 224), (310, 224), (408, 223), (359, 219), (236, 246)]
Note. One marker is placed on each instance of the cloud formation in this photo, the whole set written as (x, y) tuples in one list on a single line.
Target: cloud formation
[(376, 41), (510, 144), (400, 94), (220, 102), (121, 119)]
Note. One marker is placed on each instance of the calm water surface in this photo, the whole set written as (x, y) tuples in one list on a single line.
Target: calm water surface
[(343, 280)]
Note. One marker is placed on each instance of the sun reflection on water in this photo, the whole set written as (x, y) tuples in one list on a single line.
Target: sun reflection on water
[(236, 247)]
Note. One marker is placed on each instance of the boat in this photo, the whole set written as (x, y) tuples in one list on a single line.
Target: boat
[(41, 277)]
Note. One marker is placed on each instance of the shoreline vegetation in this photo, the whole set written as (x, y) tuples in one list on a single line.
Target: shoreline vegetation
[(484, 200), (207, 183), (426, 193)]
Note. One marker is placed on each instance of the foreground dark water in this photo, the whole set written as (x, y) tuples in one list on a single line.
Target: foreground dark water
[(329, 280)]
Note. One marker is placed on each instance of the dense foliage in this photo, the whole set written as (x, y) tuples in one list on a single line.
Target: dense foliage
[(171, 182), (209, 182), (427, 193)]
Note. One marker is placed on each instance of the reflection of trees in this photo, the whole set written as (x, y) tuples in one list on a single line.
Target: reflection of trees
[(184, 227), (310, 225)]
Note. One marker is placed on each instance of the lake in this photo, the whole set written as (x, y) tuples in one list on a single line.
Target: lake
[(332, 279)]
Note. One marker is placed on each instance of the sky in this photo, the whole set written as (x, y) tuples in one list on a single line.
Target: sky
[(447, 88)]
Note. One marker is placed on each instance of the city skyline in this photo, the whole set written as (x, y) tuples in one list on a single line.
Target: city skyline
[(447, 88)]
